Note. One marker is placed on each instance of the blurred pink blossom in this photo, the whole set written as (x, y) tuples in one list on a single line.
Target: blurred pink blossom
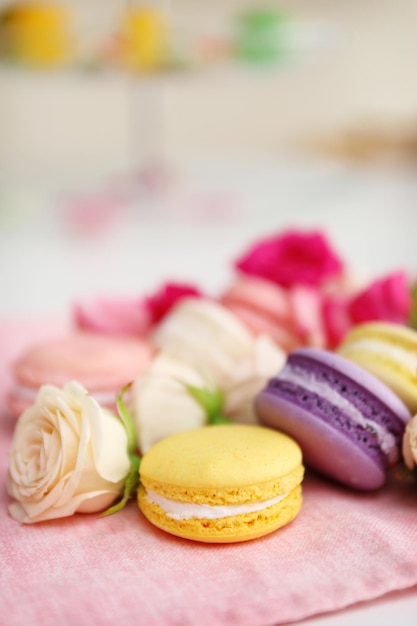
[(162, 301), (388, 299), (113, 316), (129, 316)]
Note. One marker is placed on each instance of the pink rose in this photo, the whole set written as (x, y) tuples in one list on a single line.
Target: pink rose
[(306, 304), (113, 316), (388, 299), (293, 258), (129, 316), (336, 318), (161, 302)]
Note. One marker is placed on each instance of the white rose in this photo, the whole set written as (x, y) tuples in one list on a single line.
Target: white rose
[(251, 376), (160, 403), (409, 447), (206, 336), (68, 455)]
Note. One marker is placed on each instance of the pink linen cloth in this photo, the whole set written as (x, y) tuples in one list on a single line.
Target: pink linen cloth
[(343, 548)]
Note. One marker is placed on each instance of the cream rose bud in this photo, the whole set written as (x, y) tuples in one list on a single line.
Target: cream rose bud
[(67, 455), (251, 376), (409, 447), (160, 403)]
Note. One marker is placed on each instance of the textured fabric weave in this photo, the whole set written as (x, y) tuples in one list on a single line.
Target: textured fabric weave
[(343, 548)]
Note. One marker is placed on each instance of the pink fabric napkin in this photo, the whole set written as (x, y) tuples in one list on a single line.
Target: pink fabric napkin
[(343, 548)]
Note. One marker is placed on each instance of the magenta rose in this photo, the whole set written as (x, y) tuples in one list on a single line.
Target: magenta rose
[(291, 258), (161, 302), (388, 299)]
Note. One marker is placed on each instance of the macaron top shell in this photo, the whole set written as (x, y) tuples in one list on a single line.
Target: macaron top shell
[(96, 361), (226, 457), (385, 331), (357, 375)]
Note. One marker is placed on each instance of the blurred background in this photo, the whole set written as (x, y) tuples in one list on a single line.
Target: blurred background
[(147, 141)]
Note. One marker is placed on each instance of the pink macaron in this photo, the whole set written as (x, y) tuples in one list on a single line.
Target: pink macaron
[(102, 364)]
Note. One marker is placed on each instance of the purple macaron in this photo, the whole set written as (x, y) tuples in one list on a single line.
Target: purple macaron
[(348, 423)]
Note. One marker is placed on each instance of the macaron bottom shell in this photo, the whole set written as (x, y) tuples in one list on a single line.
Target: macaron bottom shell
[(231, 529)]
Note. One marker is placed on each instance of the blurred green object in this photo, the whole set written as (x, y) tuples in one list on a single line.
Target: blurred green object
[(261, 35)]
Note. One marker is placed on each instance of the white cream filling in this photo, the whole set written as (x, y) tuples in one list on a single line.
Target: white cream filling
[(105, 398), (406, 358), (309, 382), (183, 510)]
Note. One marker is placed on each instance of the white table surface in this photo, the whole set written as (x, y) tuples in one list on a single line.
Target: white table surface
[(214, 210)]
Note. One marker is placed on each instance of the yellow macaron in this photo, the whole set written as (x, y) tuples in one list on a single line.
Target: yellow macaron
[(222, 483), (389, 352)]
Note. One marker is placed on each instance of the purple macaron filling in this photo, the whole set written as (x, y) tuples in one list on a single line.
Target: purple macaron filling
[(335, 410)]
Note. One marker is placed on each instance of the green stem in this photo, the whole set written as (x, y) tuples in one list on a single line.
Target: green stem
[(130, 487)]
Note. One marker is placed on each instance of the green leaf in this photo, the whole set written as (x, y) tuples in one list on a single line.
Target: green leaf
[(211, 400), (132, 479), (219, 419)]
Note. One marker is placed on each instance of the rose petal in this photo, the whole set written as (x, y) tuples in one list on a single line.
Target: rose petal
[(291, 258), (111, 316), (160, 403), (162, 301), (307, 306), (108, 440), (386, 299), (336, 319)]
